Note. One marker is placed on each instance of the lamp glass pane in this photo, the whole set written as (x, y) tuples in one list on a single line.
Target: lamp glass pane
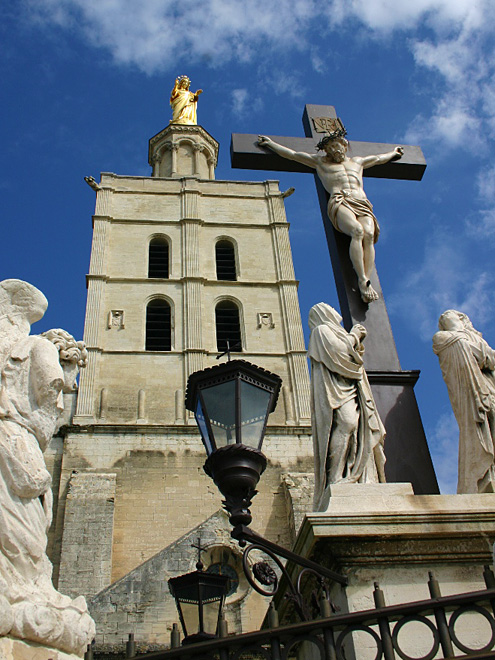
[(220, 407), (254, 406), (210, 616), (190, 614), (200, 421)]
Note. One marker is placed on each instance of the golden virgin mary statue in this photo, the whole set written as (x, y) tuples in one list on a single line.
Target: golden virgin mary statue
[(184, 102)]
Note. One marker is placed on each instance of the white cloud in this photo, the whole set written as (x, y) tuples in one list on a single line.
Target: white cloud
[(450, 124), (463, 69), (239, 98), (445, 280), (444, 444), (156, 34), (387, 15), (486, 184), (318, 63), (481, 224), (243, 102), (459, 55)]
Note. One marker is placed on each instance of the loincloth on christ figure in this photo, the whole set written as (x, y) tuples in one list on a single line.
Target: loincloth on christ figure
[(357, 206)]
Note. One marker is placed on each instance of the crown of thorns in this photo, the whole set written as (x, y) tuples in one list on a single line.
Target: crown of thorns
[(335, 135)]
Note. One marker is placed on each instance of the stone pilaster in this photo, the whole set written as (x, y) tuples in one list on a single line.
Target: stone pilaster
[(293, 334), (104, 202), (192, 281), (85, 413)]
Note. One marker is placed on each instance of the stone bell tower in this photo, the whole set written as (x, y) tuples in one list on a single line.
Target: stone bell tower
[(183, 150), (182, 267)]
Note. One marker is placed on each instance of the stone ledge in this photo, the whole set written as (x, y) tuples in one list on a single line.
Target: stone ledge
[(450, 528)]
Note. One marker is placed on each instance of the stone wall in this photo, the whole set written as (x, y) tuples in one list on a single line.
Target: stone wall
[(161, 493), (140, 602), (86, 561)]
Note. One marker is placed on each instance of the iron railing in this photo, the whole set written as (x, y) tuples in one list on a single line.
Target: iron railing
[(331, 637)]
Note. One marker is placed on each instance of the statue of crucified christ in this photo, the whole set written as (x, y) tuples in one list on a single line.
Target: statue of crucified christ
[(349, 209)]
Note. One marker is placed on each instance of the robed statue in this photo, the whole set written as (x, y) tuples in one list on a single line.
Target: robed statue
[(468, 369), (348, 434), (36, 371), (184, 102)]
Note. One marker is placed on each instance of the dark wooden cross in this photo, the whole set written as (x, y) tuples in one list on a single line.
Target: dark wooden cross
[(408, 457)]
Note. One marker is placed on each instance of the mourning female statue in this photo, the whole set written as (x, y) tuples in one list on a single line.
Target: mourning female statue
[(468, 369), (184, 102), (36, 370), (348, 434)]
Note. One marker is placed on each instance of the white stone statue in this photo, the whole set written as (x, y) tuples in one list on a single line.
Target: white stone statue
[(349, 209), (35, 372), (468, 369), (348, 434)]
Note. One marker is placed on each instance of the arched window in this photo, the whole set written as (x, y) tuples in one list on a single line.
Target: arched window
[(158, 258), (228, 326), (225, 258), (158, 326)]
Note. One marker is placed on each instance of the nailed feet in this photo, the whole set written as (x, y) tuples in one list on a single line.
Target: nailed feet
[(368, 293)]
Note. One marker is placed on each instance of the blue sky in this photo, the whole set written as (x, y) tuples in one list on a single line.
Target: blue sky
[(86, 83)]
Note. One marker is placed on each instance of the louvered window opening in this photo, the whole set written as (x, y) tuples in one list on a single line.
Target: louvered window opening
[(225, 257), (158, 326), (158, 258), (228, 327)]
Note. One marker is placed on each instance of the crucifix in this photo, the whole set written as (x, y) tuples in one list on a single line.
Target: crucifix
[(408, 457)]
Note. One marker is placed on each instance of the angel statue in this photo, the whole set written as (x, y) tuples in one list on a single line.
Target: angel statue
[(35, 371)]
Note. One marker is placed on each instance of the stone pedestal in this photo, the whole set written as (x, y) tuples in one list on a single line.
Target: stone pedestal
[(15, 649), (385, 534)]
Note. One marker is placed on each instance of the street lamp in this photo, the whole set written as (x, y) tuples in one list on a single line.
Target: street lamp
[(231, 403), (199, 597)]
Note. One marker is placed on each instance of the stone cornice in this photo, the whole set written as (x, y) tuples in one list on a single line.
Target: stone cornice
[(100, 428), (191, 278)]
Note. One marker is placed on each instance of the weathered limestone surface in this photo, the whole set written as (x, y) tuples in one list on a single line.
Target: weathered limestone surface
[(181, 150), (130, 419), (15, 649), (87, 539), (161, 493), (298, 490)]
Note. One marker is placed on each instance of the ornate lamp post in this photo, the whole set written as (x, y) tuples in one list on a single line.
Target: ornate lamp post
[(231, 403)]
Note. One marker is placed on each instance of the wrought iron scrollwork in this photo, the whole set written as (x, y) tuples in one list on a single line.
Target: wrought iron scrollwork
[(262, 573)]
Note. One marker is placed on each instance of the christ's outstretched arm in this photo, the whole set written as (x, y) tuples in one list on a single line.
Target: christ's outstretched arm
[(285, 152)]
